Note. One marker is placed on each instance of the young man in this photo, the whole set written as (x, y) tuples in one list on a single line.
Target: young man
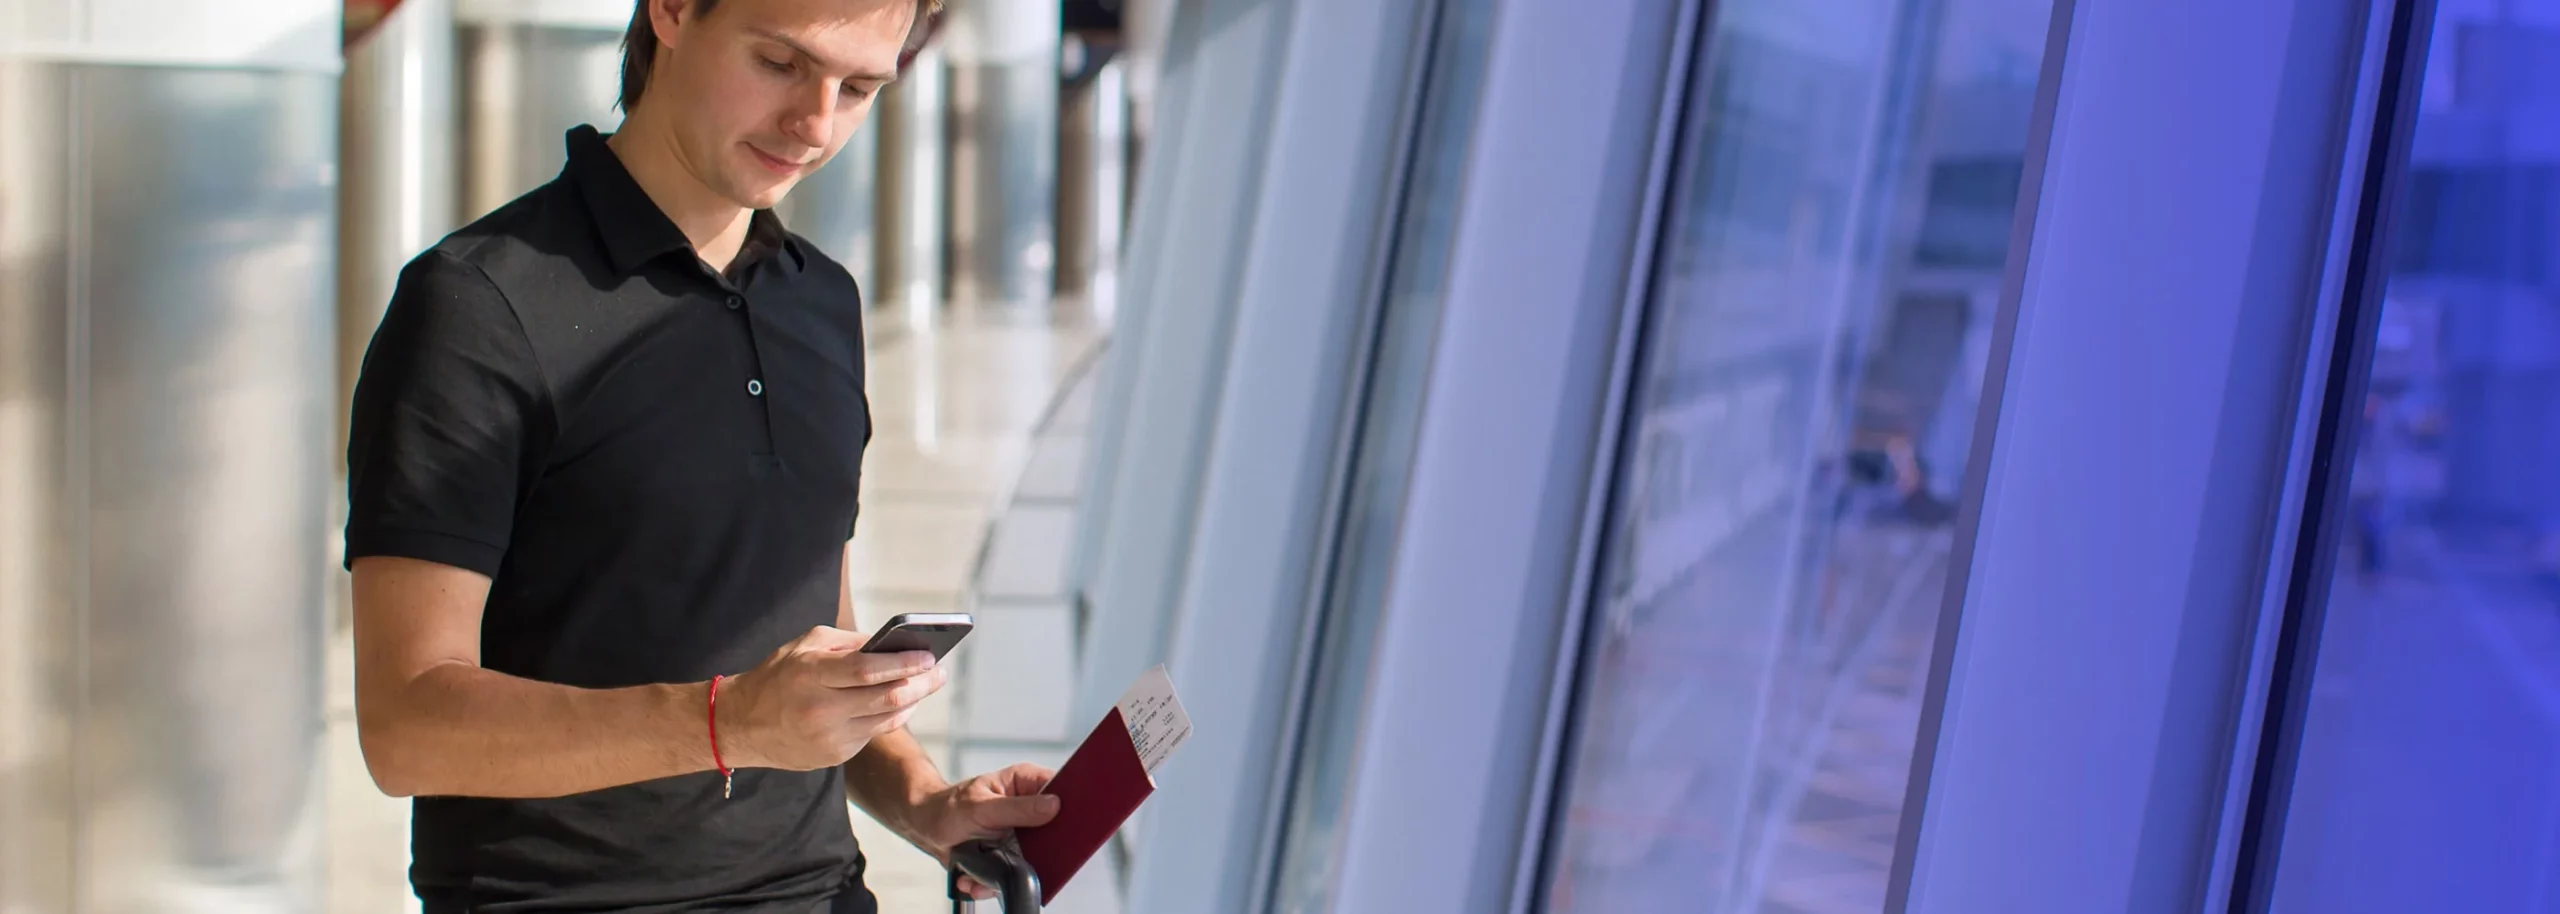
[(606, 449)]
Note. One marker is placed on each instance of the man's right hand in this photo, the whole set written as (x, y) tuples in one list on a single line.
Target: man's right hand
[(819, 700)]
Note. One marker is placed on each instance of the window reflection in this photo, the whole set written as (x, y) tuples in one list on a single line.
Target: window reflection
[(2428, 777), (1813, 360)]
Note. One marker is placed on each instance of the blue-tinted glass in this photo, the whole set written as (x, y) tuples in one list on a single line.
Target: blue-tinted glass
[(1812, 364), (2429, 772)]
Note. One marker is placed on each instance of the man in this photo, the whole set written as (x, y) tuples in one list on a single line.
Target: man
[(606, 448)]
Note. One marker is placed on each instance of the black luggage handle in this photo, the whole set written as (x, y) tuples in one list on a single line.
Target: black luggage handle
[(997, 864)]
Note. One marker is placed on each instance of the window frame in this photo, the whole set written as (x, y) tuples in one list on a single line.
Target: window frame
[(2263, 766), (2092, 694), (1458, 713)]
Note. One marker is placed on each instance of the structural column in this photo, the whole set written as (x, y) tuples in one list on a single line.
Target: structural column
[(167, 194), (1144, 27), (1003, 63), (529, 72), (908, 127), (396, 188), (1093, 178)]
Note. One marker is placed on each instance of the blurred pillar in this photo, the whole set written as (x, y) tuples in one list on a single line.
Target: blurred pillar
[(1143, 27), (529, 72), (914, 150), (167, 197), (396, 188), (1003, 64), (1093, 150)]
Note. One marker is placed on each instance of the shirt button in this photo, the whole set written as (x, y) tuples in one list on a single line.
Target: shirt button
[(755, 388), (736, 302)]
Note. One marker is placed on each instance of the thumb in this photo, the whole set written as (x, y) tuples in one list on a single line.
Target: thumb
[(831, 638)]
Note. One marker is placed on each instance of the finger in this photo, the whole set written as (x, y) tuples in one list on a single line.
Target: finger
[(976, 890), (1016, 812), (856, 670), (895, 698), (872, 714), (1024, 779)]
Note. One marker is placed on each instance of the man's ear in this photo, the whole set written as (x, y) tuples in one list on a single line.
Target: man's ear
[(666, 15)]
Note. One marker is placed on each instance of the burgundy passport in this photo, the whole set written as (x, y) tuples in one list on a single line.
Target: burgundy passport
[(1097, 790)]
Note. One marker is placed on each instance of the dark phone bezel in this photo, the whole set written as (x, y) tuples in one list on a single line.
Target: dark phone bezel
[(938, 633)]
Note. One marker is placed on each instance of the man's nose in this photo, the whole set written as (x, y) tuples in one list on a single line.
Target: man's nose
[(811, 119)]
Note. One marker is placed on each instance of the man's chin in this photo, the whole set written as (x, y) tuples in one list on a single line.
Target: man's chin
[(765, 196)]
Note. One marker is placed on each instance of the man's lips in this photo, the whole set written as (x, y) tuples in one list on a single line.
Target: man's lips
[(776, 164)]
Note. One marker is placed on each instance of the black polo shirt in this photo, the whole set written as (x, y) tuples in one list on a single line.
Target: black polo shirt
[(657, 466)]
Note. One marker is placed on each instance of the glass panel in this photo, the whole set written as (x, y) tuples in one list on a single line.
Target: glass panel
[(1319, 774), (1813, 360), (2428, 777)]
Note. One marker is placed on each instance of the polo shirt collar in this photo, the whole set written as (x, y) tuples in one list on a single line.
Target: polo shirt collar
[(635, 231), (765, 231)]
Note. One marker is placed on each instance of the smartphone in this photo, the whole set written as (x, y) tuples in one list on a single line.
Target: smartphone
[(935, 632)]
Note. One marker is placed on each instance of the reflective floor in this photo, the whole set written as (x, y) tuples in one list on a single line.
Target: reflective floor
[(2426, 775), (976, 418)]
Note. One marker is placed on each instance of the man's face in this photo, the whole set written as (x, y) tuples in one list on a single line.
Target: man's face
[(761, 92)]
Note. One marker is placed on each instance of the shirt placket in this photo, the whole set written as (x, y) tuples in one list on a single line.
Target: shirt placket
[(734, 299)]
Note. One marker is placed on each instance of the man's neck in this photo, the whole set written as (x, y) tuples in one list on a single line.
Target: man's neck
[(715, 225)]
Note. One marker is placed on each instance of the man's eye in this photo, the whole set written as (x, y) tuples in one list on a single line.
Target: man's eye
[(778, 66), (853, 91)]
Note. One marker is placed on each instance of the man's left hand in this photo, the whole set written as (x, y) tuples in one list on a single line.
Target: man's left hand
[(981, 807)]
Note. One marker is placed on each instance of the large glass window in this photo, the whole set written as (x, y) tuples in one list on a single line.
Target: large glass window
[(1814, 346), (2428, 776)]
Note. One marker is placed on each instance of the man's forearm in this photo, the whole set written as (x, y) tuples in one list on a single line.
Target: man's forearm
[(889, 777), (460, 730)]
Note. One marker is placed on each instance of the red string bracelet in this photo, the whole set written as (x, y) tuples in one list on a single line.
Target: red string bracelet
[(713, 713)]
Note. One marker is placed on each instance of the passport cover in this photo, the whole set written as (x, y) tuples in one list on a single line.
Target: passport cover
[(1097, 790)]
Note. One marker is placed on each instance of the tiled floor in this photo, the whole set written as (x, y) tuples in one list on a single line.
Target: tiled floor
[(1827, 768), (1835, 852), (978, 427)]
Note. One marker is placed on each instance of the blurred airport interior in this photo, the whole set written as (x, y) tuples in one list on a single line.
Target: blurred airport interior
[(1752, 456)]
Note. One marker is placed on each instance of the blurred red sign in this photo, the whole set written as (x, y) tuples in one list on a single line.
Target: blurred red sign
[(362, 17)]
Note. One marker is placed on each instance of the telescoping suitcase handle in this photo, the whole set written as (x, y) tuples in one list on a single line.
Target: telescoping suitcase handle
[(996, 863)]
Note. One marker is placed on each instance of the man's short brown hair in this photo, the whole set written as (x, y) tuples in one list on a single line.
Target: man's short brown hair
[(640, 43)]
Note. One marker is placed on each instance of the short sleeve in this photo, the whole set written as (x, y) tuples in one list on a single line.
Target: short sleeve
[(449, 419)]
